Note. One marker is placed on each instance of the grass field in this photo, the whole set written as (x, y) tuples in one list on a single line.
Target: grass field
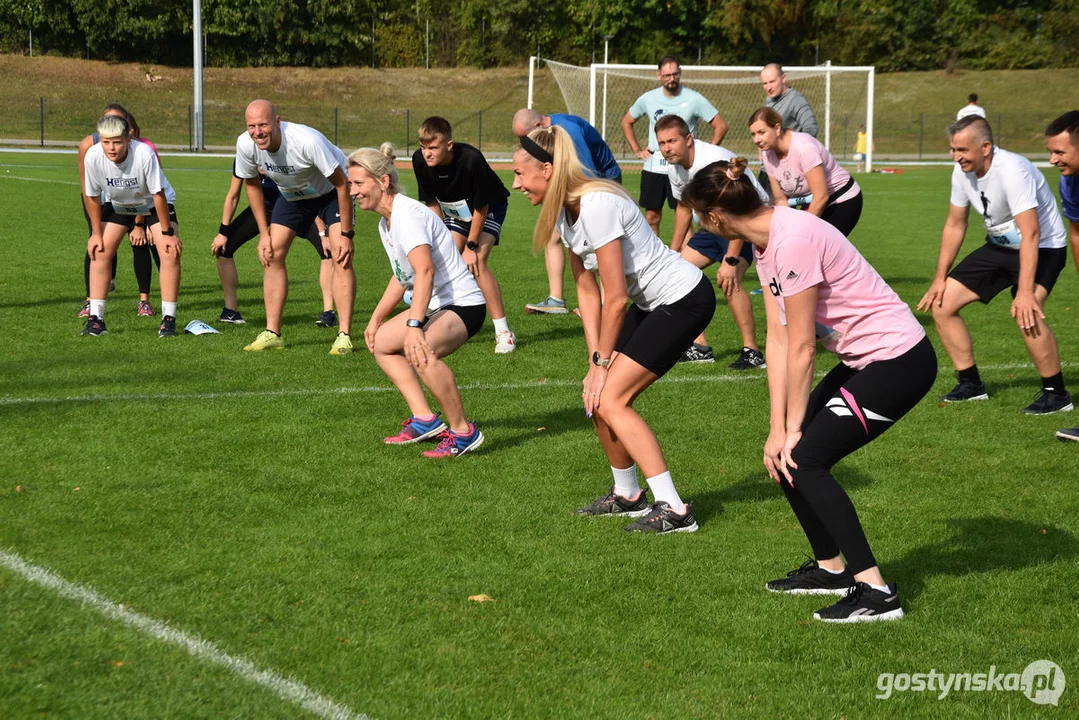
[(247, 499)]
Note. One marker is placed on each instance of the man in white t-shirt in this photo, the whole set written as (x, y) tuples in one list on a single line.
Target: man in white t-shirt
[(971, 108), (1024, 250), (669, 98), (685, 158), (310, 173)]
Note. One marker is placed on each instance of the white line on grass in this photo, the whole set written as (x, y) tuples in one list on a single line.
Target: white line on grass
[(305, 392), (285, 688), (8, 176)]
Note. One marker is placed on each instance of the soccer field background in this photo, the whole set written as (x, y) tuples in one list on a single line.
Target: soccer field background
[(247, 500)]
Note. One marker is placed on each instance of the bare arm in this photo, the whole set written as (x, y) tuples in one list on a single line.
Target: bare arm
[(955, 229), (683, 223), (775, 352), (631, 138), (1026, 308), (818, 185), (588, 297), (719, 129)]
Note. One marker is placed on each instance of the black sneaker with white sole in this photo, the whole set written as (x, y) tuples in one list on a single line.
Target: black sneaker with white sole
[(168, 327), (614, 504), (94, 327), (863, 604), (812, 579), (230, 316), (966, 390), (1068, 433), (1047, 402), (698, 354), (661, 520), (328, 319), (750, 359)]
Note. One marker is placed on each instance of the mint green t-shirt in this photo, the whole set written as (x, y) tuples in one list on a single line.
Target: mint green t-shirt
[(688, 104)]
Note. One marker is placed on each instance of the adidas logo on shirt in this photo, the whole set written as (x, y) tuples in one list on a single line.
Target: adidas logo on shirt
[(792, 275)]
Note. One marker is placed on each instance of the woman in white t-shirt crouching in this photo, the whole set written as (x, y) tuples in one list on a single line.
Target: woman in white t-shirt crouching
[(447, 306), (128, 174), (628, 349), (818, 287)]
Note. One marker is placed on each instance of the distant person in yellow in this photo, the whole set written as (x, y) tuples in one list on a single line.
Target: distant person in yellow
[(861, 146)]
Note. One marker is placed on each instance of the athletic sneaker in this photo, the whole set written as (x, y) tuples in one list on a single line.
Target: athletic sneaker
[(327, 319), (750, 359), (863, 604), (414, 430), (453, 445), (550, 306), (84, 311), (168, 327), (966, 390), (698, 354), (145, 309), (94, 326), (233, 317), (1068, 433), (661, 520), (267, 340), (1047, 402), (614, 504), (812, 579), (342, 345), (505, 342)]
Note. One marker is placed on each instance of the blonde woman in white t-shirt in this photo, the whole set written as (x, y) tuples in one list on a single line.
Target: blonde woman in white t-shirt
[(447, 306), (629, 348)]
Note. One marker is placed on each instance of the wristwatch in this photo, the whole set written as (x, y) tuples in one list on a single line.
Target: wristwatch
[(472, 245), (350, 234), (731, 260), (413, 323), (170, 231), (598, 361)]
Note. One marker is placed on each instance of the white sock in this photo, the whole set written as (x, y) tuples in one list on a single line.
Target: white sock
[(557, 299), (880, 588), (168, 308), (625, 481), (501, 325), (97, 307), (663, 490), (834, 572)]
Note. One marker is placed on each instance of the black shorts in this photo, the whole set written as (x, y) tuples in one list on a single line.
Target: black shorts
[(299, 215), (109, 215), (471, 315), (657, 339), (990, 269), (655, 187), (244, 227), (843, 216), (492, 224), (714, 247)]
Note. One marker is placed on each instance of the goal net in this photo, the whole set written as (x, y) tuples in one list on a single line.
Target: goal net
[(841, 98)]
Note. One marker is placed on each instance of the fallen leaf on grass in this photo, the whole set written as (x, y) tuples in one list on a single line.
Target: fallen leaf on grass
[(540, 429), (1044, 531), (481, 598), (117, 663), (343, 641), (18, 488), (76, 489)]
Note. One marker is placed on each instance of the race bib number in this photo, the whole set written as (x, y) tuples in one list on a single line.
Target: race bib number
[(301, 192), (800, 201), (131, 208), (1005, 234), (456, 209)]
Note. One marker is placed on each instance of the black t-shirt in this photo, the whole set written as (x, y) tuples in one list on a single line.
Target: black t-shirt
[(468, 179)]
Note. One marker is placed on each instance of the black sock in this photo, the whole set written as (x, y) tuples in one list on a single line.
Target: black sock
[(1054, 384), (971, 375)]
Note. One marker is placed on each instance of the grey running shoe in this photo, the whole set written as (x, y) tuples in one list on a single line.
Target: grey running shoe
[(750, 359), (550, 306), (661, 520), (614, 504), (698, 354), (812, 579)]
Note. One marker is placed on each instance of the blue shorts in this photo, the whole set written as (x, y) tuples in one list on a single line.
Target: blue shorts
[(496, 215), (298, 215), (714, 247)]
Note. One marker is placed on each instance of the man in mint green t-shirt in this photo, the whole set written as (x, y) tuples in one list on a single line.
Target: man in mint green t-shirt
[(669, 98)]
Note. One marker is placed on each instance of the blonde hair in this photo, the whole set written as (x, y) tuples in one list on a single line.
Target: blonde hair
[(110, 126), (569, 181), (378, 163)]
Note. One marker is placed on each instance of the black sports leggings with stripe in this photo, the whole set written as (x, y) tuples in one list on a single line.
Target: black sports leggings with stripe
[(848, 409)]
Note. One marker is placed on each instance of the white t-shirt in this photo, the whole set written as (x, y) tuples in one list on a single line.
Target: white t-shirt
[(300, 167), (970, 110), (129, 185), (655, 274), (1011, 185), (413, 224), (704, 154)]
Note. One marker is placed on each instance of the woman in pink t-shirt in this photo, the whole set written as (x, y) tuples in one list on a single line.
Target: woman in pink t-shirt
[(804, 174), (821, 288)]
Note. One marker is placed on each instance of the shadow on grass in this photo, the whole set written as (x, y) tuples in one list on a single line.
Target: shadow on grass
[(525, 428), (979, 545), (758, 487)]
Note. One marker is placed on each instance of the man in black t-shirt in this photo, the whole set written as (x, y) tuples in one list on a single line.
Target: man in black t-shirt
[(456, 182)]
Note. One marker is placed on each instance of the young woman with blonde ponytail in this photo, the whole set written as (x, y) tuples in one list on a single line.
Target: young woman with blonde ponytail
[(629, 347)]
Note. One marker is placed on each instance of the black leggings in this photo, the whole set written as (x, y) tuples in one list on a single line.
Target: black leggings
[(846, 410), (843, 216), (142, 255)]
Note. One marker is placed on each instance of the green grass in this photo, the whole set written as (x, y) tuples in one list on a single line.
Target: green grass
[(247, 498)]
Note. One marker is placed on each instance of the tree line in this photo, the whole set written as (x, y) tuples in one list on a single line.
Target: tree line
[(893, 35)]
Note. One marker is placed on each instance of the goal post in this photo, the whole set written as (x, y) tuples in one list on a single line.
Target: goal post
[(841, 97)]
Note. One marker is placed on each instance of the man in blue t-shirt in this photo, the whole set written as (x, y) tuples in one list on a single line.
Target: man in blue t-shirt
[(597, 157), (1062, 138), (669, 98)]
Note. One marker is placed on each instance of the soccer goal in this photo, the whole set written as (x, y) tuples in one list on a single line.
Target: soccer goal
[(841, 98)]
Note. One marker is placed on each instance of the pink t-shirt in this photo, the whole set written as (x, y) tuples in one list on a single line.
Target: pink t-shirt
[(806, 152), (859, 317)]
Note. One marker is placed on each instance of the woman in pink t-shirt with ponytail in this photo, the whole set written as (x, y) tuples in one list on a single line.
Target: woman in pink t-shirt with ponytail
[(821, 289)]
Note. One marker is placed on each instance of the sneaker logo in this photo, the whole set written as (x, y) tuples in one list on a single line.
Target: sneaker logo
[(666, 525)]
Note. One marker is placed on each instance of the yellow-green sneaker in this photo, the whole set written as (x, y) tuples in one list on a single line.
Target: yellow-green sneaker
[(342, 345), (267, 340)]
